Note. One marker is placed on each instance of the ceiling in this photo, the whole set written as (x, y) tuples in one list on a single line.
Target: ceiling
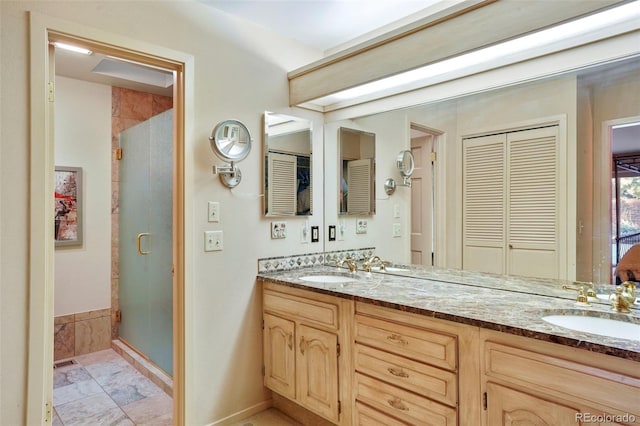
[(327, 24), (320, 24)]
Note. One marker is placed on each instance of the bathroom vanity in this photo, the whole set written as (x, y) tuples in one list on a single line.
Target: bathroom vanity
[(376, 348)]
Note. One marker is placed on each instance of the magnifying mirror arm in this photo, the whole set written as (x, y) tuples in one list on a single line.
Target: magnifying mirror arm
[(390, 184), (230, 175)]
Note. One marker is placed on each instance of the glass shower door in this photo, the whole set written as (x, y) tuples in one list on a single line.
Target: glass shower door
[(145, 239)]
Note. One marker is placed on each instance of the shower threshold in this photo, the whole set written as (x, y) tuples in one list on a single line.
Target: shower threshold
[(144, 366)]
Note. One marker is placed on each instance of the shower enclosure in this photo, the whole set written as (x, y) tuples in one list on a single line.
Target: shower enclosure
[(145, 239)]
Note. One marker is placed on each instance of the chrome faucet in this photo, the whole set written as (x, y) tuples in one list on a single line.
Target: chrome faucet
[(350, 262), (373, 261)]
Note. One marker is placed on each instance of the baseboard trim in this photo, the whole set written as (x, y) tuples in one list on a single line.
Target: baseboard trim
[(240, 415)]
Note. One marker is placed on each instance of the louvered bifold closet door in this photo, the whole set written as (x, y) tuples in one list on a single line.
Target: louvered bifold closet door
[(532, 225), (359, 186), (484, 198), (282, 183)]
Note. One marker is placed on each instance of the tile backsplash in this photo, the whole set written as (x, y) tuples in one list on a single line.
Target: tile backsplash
[(285, 263)]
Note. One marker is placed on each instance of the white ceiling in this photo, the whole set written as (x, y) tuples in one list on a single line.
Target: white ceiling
[(327, 24), (321, 24)]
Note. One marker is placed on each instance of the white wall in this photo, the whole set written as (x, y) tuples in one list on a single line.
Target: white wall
[(83, 139), (240, 71)]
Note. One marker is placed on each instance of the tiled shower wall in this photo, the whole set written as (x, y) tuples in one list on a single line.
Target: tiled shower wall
[(85, 332), (128, 108)]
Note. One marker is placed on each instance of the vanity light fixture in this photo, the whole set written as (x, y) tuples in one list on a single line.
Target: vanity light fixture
[(531, 45), (230, 140), (405, 164), (72, 48)]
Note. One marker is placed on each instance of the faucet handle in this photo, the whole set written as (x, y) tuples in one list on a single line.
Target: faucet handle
[(582, 298)]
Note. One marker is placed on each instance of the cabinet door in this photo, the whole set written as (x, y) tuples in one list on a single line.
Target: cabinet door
[(279, 355), (509, 407), (317, 371)]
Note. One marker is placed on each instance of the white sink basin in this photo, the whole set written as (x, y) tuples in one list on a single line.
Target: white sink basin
[(335, 279), (596, 325)]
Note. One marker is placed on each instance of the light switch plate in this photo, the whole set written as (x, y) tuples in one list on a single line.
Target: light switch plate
[(213, 211), (278, 230), (361, 226), (396, 211), (397, 231), (304, 233), (213, 241)]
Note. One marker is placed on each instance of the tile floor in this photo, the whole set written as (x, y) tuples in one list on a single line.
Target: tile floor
[(104, 389), (270, 417)]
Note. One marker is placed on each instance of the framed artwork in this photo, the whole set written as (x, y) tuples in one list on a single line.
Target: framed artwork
[(68, 206)]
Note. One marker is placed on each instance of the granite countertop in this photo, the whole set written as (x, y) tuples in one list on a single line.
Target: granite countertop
[(492, 307)]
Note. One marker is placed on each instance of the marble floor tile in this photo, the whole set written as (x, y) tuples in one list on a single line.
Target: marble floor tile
[(104, 389), (75, 391), (153, 410), (71, 374)]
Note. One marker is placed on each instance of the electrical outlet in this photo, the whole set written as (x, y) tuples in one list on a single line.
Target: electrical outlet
[(361, 226), (278, 230), (397, 232), (332, 232), (213, 241), (213, 211), (315, 234)]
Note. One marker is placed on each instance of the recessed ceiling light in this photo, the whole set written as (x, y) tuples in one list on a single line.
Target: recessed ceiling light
[(72, 48)]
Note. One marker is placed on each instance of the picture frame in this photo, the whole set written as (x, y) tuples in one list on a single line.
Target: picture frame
[(67, 206)]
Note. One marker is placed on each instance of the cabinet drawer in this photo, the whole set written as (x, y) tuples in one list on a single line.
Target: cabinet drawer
[(428, 381), (313, 311), (548, 373), (367, 416), (424, 345), (404, 405)]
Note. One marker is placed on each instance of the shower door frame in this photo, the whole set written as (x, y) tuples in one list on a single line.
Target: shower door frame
[(44, 30)]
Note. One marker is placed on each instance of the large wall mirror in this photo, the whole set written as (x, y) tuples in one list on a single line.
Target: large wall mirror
[(288, 185), (356, 170), (597, 114)]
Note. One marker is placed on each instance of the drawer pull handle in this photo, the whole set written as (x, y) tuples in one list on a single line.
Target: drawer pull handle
[(397, 404), (396, 338), (303, 345), (396, 372)]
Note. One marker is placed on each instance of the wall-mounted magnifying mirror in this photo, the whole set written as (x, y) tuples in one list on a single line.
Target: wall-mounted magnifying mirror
[(357, 150), (230, 140), (405, 164), (288, 182)]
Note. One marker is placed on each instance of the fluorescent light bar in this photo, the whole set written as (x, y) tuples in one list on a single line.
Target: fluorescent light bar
[(546, 37), (72, 48)]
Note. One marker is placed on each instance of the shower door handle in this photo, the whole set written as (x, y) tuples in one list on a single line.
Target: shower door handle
[(139, 241)]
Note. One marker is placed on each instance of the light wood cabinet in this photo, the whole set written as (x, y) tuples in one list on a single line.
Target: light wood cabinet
[(409, 368), (549, 384), (304, 333)]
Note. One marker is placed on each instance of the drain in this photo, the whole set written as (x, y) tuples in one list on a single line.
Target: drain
[(64, 363)]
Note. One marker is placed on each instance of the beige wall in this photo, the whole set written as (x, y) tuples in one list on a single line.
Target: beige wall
[(240, 71), (83, 139)]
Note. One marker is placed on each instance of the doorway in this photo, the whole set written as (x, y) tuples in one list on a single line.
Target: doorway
[(39, 398), (423, 143)]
